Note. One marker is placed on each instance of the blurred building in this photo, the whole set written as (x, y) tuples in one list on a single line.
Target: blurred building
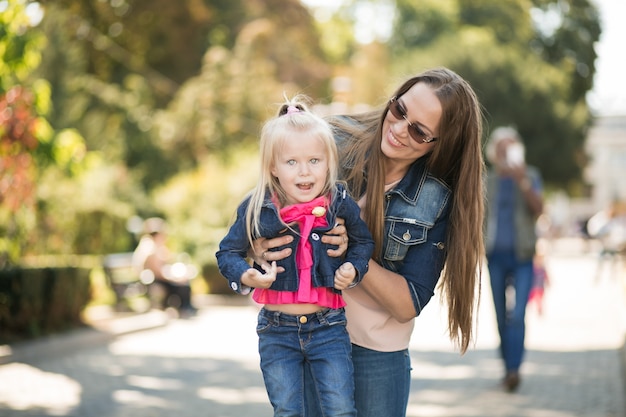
[(605, 175), (606, 172)]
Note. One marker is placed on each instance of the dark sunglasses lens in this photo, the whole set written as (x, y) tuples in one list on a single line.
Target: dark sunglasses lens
[(395, 109), (398, 112), (416, 135)]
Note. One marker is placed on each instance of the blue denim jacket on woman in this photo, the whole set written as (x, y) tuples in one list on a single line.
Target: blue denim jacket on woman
[(234, 247), (416, 221)]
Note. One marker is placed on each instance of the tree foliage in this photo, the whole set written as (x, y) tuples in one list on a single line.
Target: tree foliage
[(153, 107), (23, 127), (117, 67), (144, 91), (531, 63)]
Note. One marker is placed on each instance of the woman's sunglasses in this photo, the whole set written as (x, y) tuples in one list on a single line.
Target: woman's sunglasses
[(417, 134)]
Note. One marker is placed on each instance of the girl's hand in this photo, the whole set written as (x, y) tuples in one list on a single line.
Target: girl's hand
[(344, 276), (338, 236), (261, 254), (255, 279)]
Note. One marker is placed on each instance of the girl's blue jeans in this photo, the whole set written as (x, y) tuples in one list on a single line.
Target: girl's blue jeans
[(382, 384), (504, 270), (319, 342)]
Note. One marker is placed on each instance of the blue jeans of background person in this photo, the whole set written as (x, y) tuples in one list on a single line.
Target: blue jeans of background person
[(288, 343), (382, 384), (505, 269)]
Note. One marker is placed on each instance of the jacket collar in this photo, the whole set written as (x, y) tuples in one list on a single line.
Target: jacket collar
[(410, 186)]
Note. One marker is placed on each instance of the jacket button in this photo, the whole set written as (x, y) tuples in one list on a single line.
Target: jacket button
[(303, 319), (440, 245), (406, 235), (315, 236)]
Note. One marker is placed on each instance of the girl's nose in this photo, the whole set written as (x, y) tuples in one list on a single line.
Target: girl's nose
[(304, 169)]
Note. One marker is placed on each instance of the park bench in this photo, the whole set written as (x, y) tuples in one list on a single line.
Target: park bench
[(123, 278)]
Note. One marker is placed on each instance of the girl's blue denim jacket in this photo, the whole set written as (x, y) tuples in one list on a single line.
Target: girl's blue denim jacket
[(233, 251), (416, 221)]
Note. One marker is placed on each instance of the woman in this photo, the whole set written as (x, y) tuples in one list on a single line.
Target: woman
[(416, 169)]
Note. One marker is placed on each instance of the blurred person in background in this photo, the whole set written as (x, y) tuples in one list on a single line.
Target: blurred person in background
[(169, 280), (514, 202), (608, 226)]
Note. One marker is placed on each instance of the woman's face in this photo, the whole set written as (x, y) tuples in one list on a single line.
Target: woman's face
[(423, 109)]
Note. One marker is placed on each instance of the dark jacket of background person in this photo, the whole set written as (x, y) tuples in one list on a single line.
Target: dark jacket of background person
[(525, 231)]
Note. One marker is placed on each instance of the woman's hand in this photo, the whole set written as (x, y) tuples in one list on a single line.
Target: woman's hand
[(262, 255), (338, 236)]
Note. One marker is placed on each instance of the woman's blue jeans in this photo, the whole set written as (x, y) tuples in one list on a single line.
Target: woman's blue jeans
[(319, 342), (504, 270), (382, 384)]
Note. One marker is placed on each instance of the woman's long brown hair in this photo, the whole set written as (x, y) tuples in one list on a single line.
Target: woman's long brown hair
[(457, 160)]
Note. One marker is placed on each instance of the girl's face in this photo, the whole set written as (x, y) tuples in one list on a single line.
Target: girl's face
[(301, 167), (423, 109)]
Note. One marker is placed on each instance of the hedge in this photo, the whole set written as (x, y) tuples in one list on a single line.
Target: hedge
[(41, 301)]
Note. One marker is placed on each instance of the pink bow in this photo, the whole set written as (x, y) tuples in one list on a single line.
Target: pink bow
[(292, 109)]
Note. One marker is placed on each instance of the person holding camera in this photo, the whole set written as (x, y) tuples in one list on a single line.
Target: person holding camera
[(514, 202)]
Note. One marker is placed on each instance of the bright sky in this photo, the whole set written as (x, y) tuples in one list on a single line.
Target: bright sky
[(609, 94)]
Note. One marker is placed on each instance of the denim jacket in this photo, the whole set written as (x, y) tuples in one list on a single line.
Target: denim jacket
[(231, 256), (416, 221)]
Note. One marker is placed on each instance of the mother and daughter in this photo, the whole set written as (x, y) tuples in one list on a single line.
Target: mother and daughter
[(340, 288)]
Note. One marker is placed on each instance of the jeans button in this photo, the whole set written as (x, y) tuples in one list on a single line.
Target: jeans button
[(303, 319)]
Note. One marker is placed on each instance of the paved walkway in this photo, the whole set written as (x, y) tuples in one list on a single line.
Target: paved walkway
[(208, 365)]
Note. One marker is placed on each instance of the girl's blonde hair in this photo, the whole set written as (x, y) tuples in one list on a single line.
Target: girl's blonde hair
[(457, 160), (293, 116)]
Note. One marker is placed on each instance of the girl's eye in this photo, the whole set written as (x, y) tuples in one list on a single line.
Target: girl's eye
[(315, 161), (291, 162)]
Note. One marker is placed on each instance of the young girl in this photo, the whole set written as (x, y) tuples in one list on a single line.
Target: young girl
[(302, 320)]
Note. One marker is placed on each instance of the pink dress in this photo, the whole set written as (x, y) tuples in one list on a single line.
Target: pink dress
[(306, 294)]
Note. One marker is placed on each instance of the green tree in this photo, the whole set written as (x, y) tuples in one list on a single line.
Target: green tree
[(531, 63), (565, 37), (23, 127), (113, 75), (417, 27), (156, 89)]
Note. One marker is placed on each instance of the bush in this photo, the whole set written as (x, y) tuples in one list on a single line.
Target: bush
[(216, 283), (41, 301)]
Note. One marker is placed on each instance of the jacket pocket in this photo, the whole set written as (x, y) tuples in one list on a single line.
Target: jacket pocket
[(401, 237)]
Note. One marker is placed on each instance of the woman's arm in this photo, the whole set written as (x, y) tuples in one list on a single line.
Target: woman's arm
[(390, 291), (406, 292)]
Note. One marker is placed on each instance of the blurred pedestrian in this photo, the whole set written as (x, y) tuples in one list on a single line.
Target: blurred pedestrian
[(608, 226), (168, 280), (514, 202)]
